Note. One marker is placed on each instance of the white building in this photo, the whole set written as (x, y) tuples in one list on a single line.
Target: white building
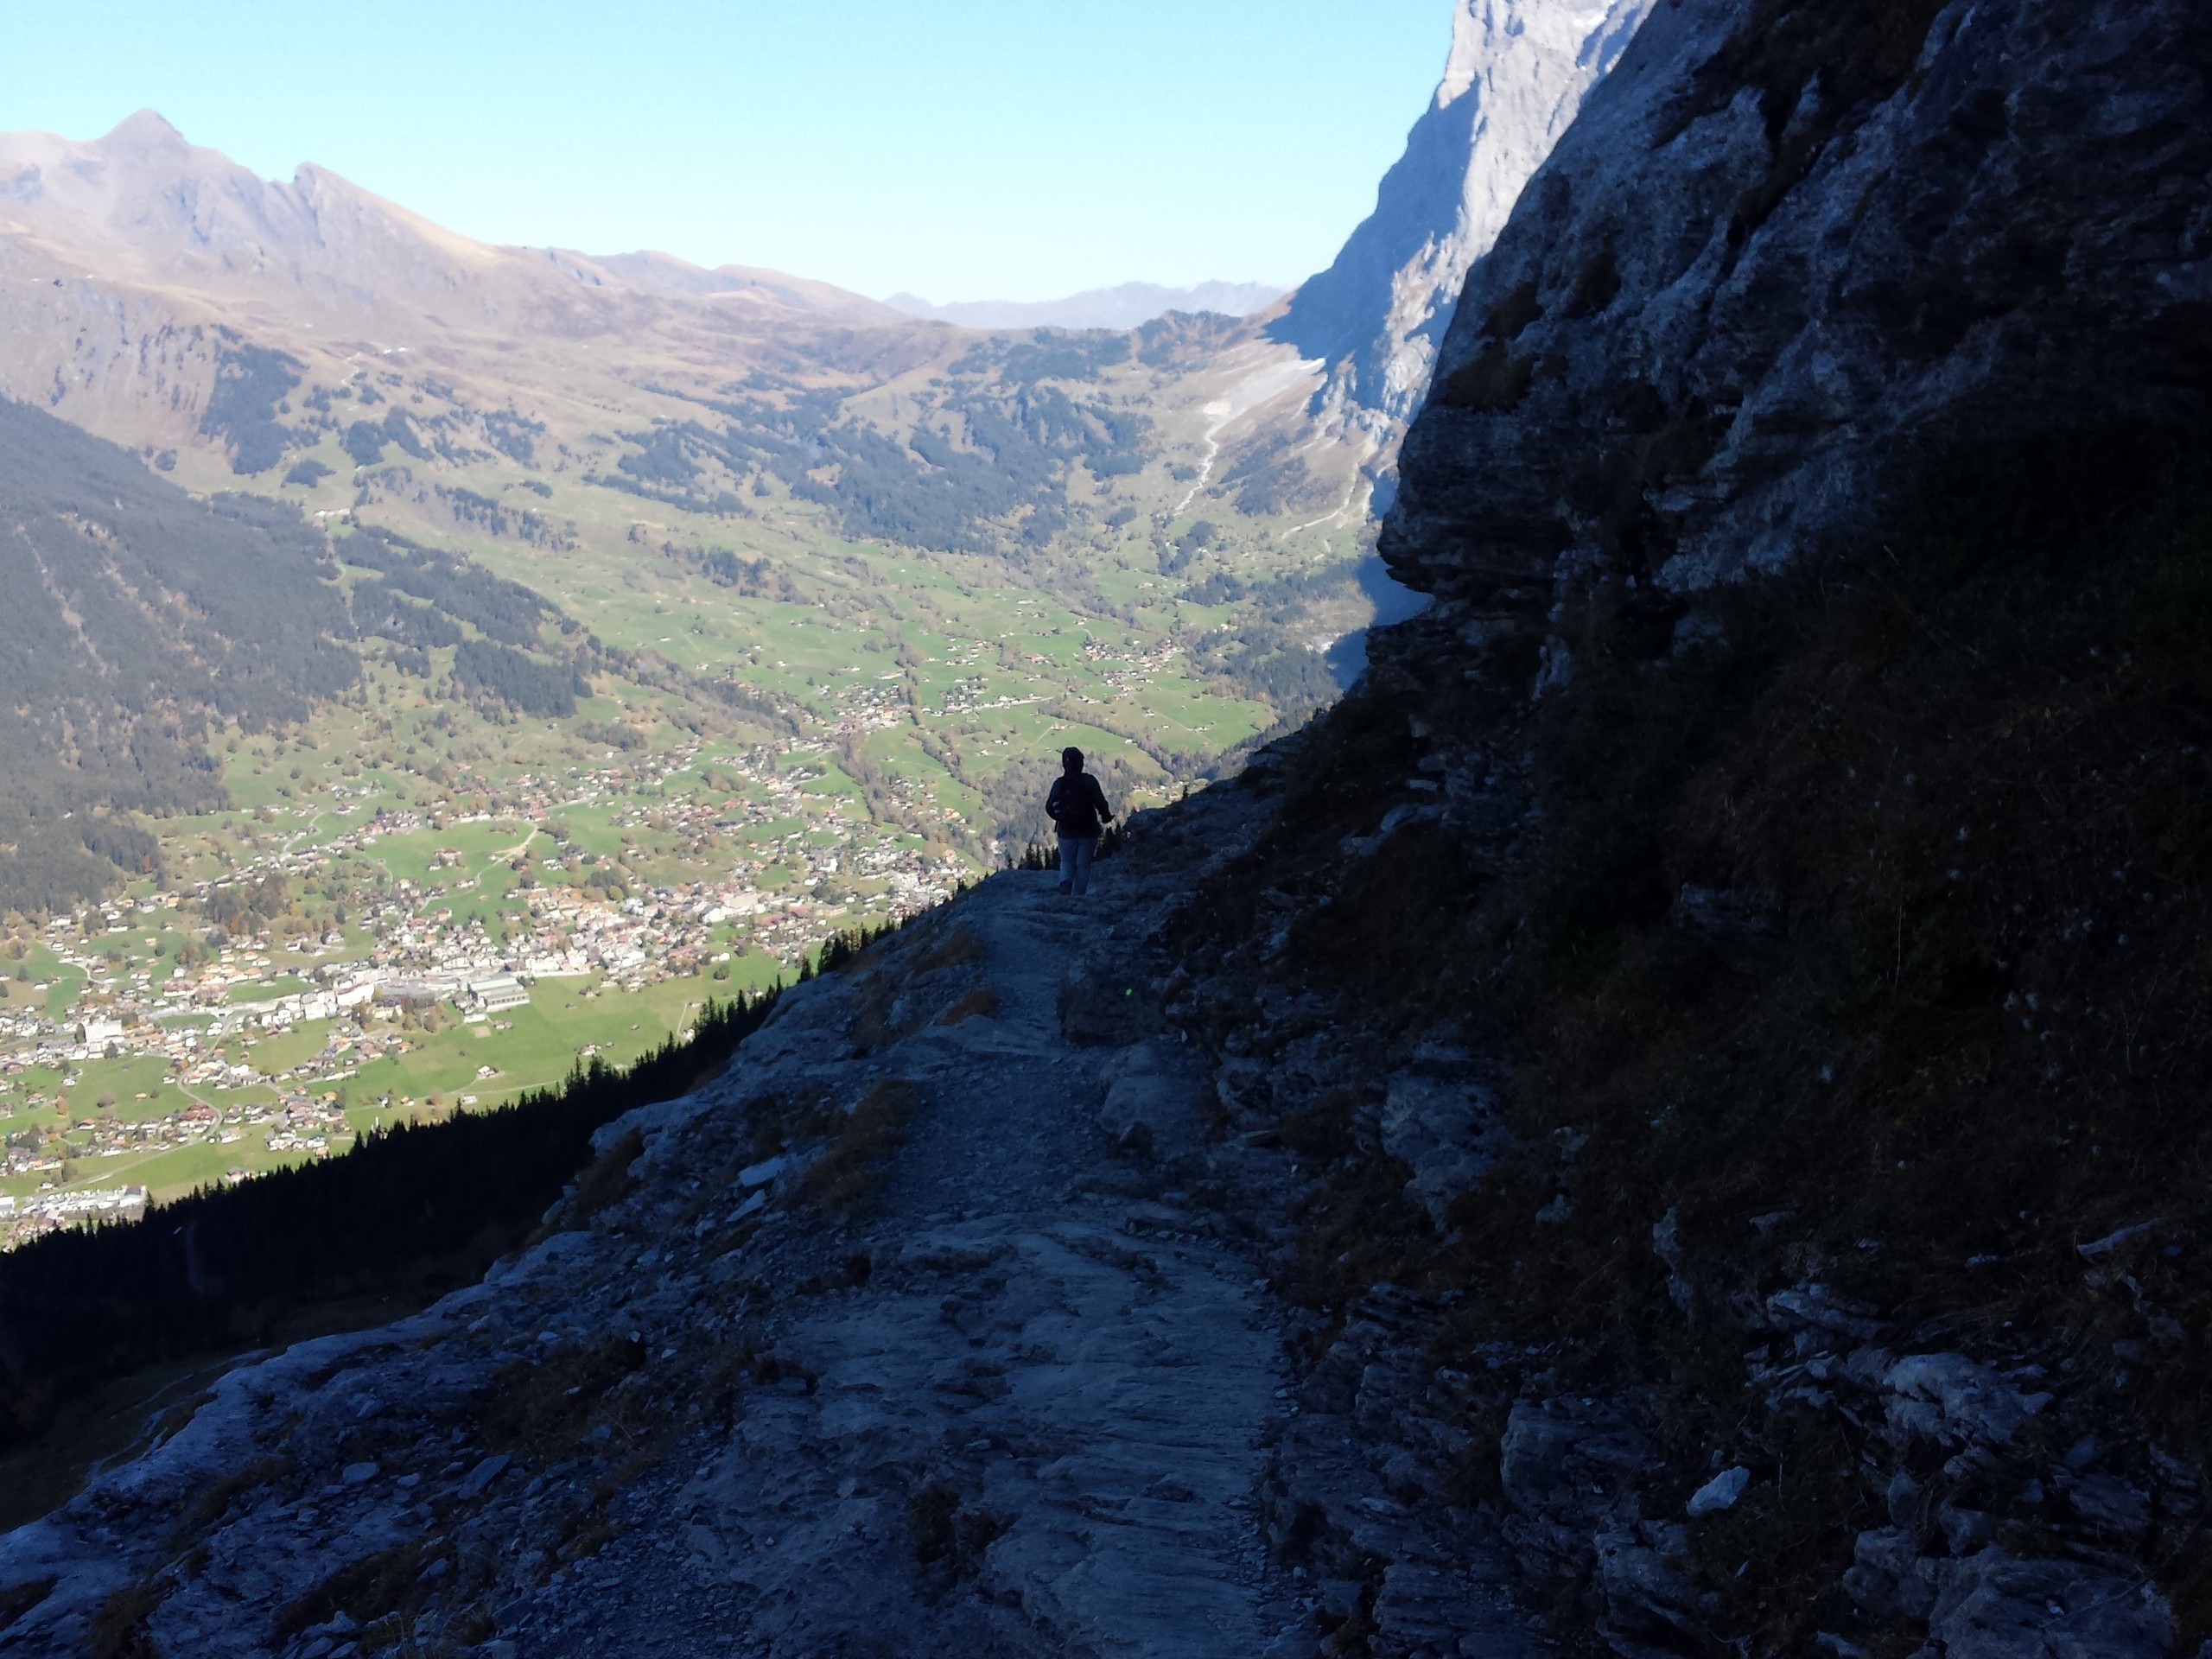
[(97, 1033), (497, 992)]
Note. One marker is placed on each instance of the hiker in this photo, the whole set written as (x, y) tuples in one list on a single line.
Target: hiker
[(1077, 807)]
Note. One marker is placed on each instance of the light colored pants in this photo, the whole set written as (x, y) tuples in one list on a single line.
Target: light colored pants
[(1074, 863)]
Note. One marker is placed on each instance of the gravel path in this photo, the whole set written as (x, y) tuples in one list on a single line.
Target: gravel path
[(1014, 1404)]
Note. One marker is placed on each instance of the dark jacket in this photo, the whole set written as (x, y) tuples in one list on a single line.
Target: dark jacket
[(1077, 805)]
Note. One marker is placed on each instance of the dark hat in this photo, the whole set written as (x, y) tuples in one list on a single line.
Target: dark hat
[(1071, 756)]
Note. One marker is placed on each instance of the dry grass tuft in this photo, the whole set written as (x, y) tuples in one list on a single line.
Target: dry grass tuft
[(372, 1588), (541, 1408), (211, 1505), (949, 1535), (886, 976), (119, 1629), (958, 947), (18, 1600), (856, 1167), (981, 1000), (603, 1184)]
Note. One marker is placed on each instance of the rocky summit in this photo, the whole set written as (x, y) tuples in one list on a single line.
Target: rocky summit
[(1667, 1123)]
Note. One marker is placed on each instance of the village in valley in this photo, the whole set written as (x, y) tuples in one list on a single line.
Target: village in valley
[(483, 953)]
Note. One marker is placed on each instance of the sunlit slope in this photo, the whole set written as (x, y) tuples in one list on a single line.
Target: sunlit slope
[(747, 475)]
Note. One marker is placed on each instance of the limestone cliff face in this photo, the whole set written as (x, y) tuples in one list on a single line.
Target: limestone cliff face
[(1517, 73), (1766, 268)]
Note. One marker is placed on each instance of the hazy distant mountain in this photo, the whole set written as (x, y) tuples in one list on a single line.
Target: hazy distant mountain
[(143, 204), (1127, 307), (1517, 75), (156, 292)]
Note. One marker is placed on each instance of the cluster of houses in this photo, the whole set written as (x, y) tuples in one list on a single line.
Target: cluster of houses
[(422, 957), (50, 1212)]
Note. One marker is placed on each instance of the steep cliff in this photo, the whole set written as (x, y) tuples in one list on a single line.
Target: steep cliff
[(1516, 73), (1735, 965), (1784, 253)]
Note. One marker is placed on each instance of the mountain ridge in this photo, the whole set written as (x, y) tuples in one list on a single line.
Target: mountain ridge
[(1125, 306), (140, 184)]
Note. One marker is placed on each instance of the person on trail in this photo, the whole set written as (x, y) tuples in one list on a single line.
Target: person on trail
[(1077, 807)]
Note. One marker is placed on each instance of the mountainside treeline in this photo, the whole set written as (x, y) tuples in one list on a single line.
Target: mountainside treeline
[(986, 471), (501, 610), (135, 621), (131, 618)]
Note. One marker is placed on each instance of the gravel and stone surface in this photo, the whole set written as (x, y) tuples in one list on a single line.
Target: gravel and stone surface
[(1030, 1395)]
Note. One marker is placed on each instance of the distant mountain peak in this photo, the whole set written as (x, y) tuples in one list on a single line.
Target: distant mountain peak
[(1515, 77), (144, 130), (1128, 306), (143, 203)]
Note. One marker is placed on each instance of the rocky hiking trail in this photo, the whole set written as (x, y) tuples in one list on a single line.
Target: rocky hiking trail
[(1031, 1397)]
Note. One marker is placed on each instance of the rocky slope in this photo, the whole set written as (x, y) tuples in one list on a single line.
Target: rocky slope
[(1700, 953), (934, 1325), (1518, 72), (1772, 264)]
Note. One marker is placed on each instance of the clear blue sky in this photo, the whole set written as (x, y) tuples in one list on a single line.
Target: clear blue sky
[(963, 149)]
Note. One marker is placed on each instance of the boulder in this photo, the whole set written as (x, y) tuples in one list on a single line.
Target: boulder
[(1888, 1577), (2109, 1505), (1953, 1400), (1152, 1106), (1448, 1134), (1568, 1462), (1719, 1493), (1995, 1606), (1642, 1574)]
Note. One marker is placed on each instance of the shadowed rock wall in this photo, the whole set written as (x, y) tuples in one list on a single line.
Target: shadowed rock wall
[(1785, 248)]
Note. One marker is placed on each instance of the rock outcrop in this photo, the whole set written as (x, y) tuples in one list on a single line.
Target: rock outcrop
[(1782, 254), (1795, 274)]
